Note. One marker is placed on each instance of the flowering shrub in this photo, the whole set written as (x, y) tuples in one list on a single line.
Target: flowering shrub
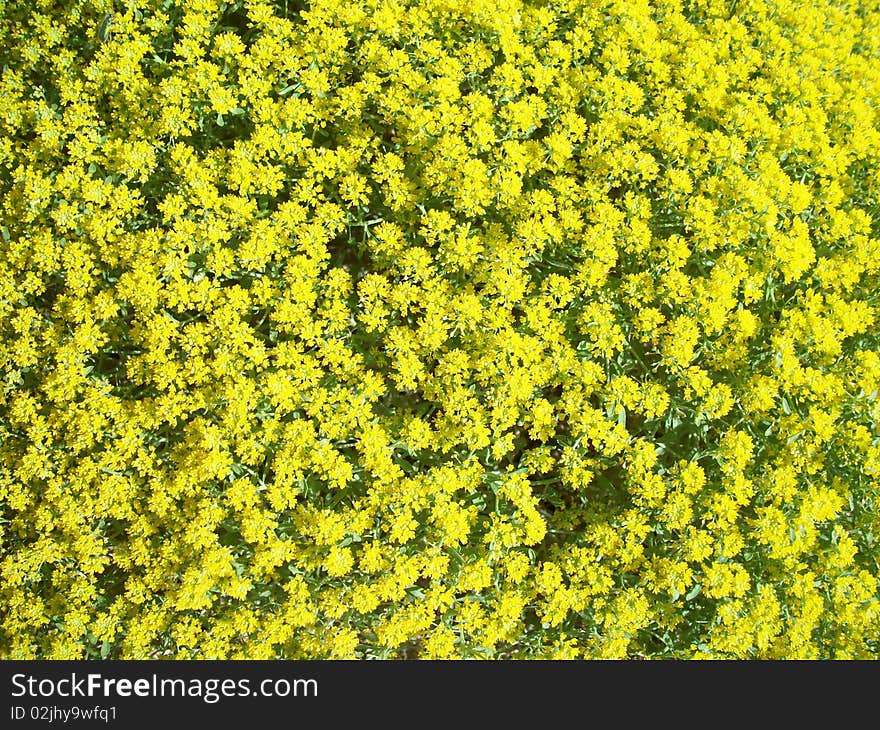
[(428, 328)]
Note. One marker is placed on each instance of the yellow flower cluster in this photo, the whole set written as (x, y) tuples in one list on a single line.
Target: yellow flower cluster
[(427, 328)]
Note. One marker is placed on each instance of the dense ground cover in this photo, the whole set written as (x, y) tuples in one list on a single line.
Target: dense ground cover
[(439, 329)]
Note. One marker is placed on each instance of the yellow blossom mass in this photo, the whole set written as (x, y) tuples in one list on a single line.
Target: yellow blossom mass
[(418, 328)]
